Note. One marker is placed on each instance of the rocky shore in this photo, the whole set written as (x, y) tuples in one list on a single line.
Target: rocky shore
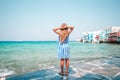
[(98, 69)]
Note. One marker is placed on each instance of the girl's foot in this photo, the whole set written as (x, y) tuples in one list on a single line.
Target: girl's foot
[(66, 73), (61, 73)]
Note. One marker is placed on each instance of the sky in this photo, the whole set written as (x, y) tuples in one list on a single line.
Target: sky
[(35, 19)]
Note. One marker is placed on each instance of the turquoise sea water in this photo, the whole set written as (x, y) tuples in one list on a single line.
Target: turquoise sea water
[(18, 57)]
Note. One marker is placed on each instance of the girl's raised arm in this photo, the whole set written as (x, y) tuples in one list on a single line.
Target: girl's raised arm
[(57, 30), (70, 29)]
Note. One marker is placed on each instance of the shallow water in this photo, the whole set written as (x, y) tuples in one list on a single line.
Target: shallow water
[(27, 56)]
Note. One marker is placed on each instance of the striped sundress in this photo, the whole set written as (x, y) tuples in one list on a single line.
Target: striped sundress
[(63, 49)]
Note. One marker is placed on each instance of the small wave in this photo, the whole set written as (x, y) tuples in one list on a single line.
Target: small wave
[(5, 72)]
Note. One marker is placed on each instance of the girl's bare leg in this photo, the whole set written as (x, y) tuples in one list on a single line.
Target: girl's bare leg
[(67, 65), (62, 65)]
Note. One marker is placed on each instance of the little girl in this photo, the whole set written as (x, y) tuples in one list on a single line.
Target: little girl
[(63, 48)]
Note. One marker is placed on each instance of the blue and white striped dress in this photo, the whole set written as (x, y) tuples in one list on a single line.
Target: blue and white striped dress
[(63, 49)]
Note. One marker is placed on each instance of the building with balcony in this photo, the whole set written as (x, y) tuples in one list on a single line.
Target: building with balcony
[(114, 37)]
